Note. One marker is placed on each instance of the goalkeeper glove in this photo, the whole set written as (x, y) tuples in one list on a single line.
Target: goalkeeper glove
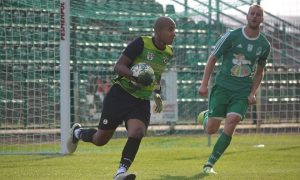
[(158, 102)]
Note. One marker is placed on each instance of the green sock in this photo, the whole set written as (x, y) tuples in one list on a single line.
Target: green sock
[(219, 148)]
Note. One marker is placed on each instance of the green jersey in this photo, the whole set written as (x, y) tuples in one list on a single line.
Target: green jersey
[(239, 55), (145, 51)]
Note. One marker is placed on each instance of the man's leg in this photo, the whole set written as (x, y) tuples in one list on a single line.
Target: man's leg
[(222, 142), (128, 154), (97, 137), (219, 148), (136, 131)]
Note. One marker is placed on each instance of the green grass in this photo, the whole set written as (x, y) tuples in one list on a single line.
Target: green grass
[(165, 158)]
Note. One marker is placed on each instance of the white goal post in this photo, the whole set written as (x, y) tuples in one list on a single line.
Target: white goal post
[(64, 73)]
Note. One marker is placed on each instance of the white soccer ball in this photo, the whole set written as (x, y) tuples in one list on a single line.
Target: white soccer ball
[(143, 73)]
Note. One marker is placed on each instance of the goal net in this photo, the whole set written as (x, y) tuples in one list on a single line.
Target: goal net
[(29, 86)]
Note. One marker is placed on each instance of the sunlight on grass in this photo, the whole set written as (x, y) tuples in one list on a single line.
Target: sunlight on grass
[(166, 158)]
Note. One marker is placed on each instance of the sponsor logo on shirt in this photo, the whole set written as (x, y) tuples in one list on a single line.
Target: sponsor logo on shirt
[(150, 56), (241, 66)]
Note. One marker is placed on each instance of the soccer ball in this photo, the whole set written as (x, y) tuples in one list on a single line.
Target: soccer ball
[(143, 73), (200, 117)]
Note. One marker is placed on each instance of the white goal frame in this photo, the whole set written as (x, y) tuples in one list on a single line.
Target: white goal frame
[(64, 73)]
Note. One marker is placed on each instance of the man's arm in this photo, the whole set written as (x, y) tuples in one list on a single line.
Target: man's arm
[(122, 66), (257, 78), (127, 57), (209, 68)]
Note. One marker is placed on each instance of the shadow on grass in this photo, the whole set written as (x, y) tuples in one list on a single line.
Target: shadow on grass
[(288, 148), (195, 177), (32, 157)]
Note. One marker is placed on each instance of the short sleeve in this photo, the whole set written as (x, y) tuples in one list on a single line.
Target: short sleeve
[(134, 48), (263, 59), (223, 44)]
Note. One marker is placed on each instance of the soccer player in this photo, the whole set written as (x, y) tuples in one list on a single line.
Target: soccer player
[(126, 102), (243, 53)]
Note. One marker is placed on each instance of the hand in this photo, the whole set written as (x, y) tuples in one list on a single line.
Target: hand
[(203, 90), (135, 81), (251, 99), (158, 102)]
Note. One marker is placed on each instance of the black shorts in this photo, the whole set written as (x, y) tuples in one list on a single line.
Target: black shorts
[(119, 106)]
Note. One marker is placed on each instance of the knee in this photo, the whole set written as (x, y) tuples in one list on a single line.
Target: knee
[(229, 128), (137, 133), (100, 139), (212, 126), (211, 130), (100, 142), (230, 125)]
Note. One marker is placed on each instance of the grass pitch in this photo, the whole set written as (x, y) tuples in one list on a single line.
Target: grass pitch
[(166, 158)]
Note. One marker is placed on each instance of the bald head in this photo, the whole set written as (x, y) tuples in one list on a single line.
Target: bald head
[(163, 22), (257, 6)]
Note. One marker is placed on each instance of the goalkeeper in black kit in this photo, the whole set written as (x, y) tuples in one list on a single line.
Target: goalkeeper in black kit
[(128, 100)]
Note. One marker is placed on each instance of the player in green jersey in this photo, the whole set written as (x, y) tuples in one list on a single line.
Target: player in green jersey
[(243, 53), (128, 101)]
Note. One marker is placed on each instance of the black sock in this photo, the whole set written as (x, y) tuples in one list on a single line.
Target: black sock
[(129, 152), (87, 134)]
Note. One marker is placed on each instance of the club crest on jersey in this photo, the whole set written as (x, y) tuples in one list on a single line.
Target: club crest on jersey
[(150, 56), (258, 50), (250, 47)]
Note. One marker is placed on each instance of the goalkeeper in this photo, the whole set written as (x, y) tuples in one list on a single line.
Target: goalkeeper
[(243, 52), (129, 101)]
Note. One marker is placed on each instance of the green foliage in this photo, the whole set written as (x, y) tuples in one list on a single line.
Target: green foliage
[(166, 158)]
